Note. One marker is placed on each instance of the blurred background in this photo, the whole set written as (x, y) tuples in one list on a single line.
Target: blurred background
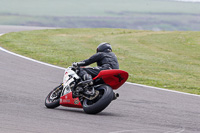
[(156, 15)]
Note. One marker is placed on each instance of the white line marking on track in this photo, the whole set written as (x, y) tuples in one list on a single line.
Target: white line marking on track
[(43, 63), (27, 58), (156, 88)]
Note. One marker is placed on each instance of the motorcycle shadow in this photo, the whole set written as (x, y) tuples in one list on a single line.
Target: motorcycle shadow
[(72, 110), (80, 111)]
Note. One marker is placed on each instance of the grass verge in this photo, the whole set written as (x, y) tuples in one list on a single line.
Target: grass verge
[(163, 59)]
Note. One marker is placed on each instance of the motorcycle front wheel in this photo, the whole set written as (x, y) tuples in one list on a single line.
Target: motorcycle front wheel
[(53, 98), (100, 102)]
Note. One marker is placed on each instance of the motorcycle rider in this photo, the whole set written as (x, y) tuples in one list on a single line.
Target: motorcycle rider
[(104, 58)]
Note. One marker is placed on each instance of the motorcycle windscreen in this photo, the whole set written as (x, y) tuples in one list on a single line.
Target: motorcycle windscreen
[(114, 78)]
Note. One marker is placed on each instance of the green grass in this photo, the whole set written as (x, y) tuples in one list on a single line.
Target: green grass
[(163, 59)]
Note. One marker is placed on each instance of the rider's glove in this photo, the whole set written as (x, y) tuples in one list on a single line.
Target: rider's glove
[(77, 64)]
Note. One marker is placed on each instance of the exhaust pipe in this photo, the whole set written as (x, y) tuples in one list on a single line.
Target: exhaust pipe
[(115, 96)]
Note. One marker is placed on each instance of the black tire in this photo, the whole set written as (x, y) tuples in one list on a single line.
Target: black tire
[(52, 103), (101, 102)]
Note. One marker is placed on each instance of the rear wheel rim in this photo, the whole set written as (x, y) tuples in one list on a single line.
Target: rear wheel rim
[(91, 102)]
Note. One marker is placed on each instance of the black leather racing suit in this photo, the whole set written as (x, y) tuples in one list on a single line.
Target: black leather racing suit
[(104, 60)]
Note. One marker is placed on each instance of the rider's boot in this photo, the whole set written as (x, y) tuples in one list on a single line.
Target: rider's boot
[(80, 88)]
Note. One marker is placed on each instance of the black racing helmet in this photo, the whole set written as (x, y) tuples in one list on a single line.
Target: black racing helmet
[(104, 47)]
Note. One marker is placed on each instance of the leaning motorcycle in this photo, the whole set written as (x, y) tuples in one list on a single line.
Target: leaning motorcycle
[(93, 98)]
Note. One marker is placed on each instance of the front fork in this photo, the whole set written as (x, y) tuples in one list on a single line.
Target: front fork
[(59, 89)]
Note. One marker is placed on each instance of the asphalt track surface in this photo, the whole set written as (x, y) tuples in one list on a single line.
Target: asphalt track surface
[(24, 85)]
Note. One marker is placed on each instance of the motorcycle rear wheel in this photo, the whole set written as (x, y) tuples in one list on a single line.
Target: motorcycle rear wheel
[(51, 102), (101, 102)]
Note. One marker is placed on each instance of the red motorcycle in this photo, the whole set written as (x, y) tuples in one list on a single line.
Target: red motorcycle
[(73, 92)]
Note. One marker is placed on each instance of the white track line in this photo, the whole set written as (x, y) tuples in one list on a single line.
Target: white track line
[(156, 88), (43, 63), (27, 58)]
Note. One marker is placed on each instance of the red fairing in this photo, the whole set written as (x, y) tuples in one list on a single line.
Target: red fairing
[(68, 101), (114, 78)]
